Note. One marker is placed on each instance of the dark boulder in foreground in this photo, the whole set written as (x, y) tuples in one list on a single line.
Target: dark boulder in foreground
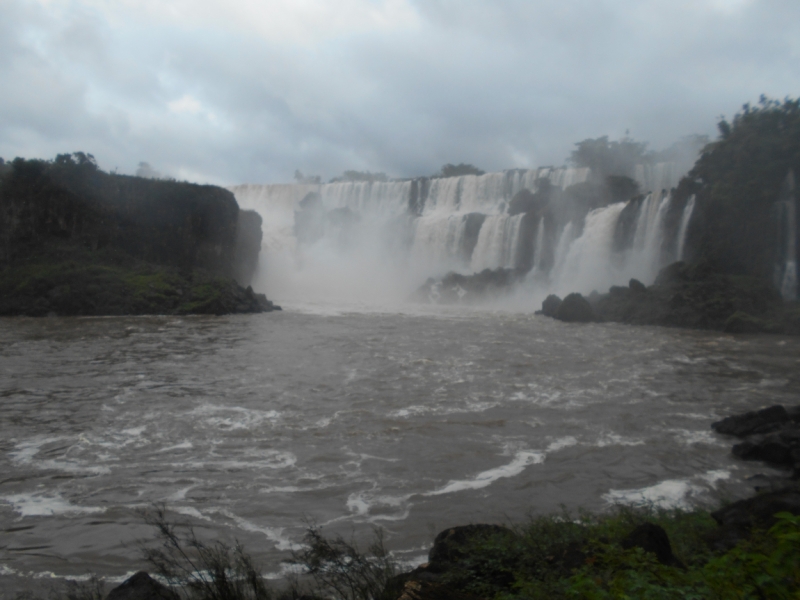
[(652, 538), (575, 308), (760, 421), (141, 587)]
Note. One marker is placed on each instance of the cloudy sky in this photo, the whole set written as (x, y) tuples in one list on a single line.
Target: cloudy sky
[(250, 90)]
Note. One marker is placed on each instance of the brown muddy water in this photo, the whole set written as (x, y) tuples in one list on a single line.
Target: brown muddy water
[(252, 426)]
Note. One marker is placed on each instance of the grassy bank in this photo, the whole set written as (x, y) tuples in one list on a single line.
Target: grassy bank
[(627, 553)]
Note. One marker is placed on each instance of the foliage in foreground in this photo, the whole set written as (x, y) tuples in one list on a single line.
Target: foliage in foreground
[(535, 564), (334, 567), (555, 557)]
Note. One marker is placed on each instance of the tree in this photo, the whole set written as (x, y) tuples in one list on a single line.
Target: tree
[(458, 170)]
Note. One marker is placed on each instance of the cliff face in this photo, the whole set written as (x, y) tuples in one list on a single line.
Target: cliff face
[(70, 201), (77, 241)]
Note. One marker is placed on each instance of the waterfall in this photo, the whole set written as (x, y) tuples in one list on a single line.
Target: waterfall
[(538, 251), (439, 240), (382, 239), (684, 226), (789, 281), (644, 258), (655, 177), (497, 243), (587, 264), (565, 239)]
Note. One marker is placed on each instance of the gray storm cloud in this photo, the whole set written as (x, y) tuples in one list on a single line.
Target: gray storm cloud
[(238, 93)]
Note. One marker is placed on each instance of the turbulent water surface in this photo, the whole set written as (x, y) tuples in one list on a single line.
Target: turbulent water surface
[(412, 421)]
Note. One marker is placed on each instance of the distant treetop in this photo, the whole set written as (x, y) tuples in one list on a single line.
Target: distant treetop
[(449, 170)]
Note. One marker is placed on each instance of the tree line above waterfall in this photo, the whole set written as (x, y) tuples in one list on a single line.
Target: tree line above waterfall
[(738, 182)]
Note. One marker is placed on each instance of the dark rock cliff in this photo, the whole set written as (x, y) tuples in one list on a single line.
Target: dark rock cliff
[(76, 240)]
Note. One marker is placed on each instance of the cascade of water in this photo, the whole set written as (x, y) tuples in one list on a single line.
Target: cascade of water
[(644, 259), (538, 251), (565, 239), (789, 283), (462, 221), (497, 243), (376, 198), (684, 226), (587, 264), (439, 241)]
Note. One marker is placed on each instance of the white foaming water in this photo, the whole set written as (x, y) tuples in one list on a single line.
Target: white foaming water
[(672, 493), (521, 461), (497, 243), (46, 505), (390, 249)]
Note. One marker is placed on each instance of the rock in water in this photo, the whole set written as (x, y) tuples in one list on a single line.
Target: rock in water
[(760, 421), (141, 587), (575, 308), (738, 519), (550, 305)]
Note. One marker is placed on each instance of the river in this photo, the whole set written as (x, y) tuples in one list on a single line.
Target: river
[(411, 419)]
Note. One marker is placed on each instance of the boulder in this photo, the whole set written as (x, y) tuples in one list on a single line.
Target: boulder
[(575, 308), (781, 448), (652, 538), (550, 305), (760, 421), (637, 286), (737, 520), (451, 544), (141, 587)]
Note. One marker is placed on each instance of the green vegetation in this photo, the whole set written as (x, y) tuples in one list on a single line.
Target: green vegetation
[(77, 241), (737, 181), (562, 557), (606, 157), (549, 558)]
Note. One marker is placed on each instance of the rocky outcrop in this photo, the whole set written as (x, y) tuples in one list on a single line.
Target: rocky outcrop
[(700, 297), (550, 305), (455, 288), (77, 241), (248, 246), (771, 435), (737, 520), (575, 309), (141, 587)]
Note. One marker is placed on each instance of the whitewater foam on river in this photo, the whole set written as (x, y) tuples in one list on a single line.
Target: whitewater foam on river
[(413, 420)]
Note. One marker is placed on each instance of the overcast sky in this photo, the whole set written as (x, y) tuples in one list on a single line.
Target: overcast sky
[(250, 90)]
